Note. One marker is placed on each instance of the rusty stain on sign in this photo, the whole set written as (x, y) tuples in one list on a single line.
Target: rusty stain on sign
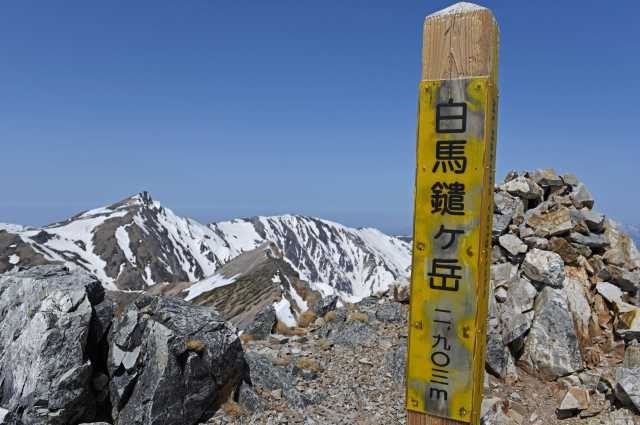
[(452, 230)]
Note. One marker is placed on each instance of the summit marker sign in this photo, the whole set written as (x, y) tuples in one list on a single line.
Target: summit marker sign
[(456, 139)]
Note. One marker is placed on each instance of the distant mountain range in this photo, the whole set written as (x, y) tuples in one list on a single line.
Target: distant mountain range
[(137, 243)]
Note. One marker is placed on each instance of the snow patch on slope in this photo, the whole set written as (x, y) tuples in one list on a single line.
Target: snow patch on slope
[(122, 237), (283, 312), (208, 284)]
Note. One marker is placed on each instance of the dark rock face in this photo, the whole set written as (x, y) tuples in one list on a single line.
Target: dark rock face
[(45, 364), (71, 353), (271, 377), (171, 362)]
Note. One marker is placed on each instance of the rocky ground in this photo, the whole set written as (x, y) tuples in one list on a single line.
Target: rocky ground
[(349, 369)]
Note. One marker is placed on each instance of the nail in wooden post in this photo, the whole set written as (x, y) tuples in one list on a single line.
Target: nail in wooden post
[(457, 115)]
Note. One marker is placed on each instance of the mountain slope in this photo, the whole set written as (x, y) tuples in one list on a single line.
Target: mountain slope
[(247, 285), (332, 257), (137, 243)]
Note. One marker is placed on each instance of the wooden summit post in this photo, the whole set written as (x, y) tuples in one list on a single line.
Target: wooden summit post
[(457, 114)]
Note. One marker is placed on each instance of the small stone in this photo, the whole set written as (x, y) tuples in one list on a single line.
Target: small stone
[(501, 274), (523, 188), (564, 249), (581, 197), (544, 267), (547, 177), (609, 292), (594, 220), (389, 312), (570, 179), (632, 355), (512, 244), (537, 242), (401, 292), (628, 323), (500, 224), (576, 399), (625, 279), (497, 255), (501, 294), (592, 240), (615, 256)]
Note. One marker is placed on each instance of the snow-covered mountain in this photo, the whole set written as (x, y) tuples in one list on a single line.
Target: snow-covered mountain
[(137, 243)]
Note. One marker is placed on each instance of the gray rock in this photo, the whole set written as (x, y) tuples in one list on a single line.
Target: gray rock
[(170, 362), (591, 240), (551, 349), (326, 305), (45, 366), (521, 296), (547, 177), (516, 314), (500, 224), (570, 179), (512, 244), (353, 333), (395, 361), (389, 312), (509, 206), (544, 267), (269, 376), (627, 389), (625, 279), (511, 174), (537, 242), (610, 292), (496, 354), (594, 220), (263, 323), (497, 255), (502, 274), (579, 223), (581, 197), (248, 399), (523, 188)]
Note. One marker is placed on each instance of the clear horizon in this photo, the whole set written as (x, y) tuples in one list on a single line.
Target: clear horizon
[(234, 110)]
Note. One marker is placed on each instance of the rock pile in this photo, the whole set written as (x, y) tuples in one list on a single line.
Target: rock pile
[(564, 282)]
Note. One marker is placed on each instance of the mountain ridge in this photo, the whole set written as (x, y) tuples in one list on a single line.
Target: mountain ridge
[(136, 243)]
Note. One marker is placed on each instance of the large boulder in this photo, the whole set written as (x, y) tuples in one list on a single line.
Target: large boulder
[(551, 349), (45, 360), (544, 267), (170, 362)]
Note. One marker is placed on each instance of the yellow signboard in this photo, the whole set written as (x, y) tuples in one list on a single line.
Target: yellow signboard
[(451, 247)]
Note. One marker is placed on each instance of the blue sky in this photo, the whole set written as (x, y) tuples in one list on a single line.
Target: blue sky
[(224, 109)]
